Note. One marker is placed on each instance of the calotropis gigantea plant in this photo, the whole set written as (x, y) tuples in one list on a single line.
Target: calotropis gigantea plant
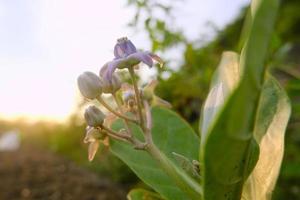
[(241, 127)]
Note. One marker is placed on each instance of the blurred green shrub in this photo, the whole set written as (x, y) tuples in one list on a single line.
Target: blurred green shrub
[(67, 140)]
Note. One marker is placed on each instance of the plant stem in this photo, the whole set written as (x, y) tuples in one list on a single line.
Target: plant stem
[(114, 112), (138, 97), (111, 132), (182, 180), (136, 143), (125, 138), (148, 135), (121, 110)]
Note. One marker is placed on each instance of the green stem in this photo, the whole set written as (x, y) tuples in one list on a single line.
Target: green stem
[(125, 138), (147, 133), (138, 97), (121, 110), (137, 143), (114, 112), (114, 134), (182, 180)]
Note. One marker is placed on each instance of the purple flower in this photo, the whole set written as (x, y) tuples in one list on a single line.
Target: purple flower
[(126, 56), (124, 48), (109, 85)]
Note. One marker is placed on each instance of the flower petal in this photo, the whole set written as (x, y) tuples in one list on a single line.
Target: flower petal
[(157, 59), (103, 70), (130, 61), (111, 67), (140, 57), (93, 148), (120, 63), (105, 141), (112, 85), (124, 48), (92, 134)]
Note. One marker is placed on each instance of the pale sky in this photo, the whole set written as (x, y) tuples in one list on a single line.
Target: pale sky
[(46, 44)]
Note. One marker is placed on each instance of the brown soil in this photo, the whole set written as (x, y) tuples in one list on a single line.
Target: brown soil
[(34, 174)]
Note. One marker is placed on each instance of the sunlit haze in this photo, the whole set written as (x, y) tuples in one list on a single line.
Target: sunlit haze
[(46, 44)]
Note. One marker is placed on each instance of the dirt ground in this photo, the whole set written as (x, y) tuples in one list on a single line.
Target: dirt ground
[(29, 173)]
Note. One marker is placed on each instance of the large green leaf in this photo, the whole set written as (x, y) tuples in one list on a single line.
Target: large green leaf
[(225, 157), (229, 151), (171, 134), (224, 81), (274, 111), (142, 194)]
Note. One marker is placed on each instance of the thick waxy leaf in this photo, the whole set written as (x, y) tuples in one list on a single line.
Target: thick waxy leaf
[(224, 82), (229, 151), (190, 167), (226, 157), (274, 111), (171, 134), (142, 194)]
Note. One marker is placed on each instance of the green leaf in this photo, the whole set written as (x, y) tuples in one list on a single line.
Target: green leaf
[(263, 14), (190, 167), (229, 151), (271, 120), (273, 114), (226, 157), (224, 82), (142, 194), (170, 134)]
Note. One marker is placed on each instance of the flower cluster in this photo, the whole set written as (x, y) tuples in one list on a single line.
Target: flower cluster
[(132, 104)]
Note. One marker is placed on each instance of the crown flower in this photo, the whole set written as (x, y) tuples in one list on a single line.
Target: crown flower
[(128, 102), (127, 56)]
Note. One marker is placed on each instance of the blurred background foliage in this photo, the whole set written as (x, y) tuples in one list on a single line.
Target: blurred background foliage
[(185, 85)]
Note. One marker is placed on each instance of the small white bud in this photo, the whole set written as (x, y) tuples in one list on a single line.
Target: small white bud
[(89, 85), (93, 116)]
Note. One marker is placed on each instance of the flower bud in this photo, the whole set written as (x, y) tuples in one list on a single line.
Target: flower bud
[(128, 95), (131, 103), (93, 116), (149, 95), (111, 86), (148, 90), (89, 85)]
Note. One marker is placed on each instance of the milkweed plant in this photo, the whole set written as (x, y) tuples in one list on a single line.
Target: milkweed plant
[(238, 151)]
